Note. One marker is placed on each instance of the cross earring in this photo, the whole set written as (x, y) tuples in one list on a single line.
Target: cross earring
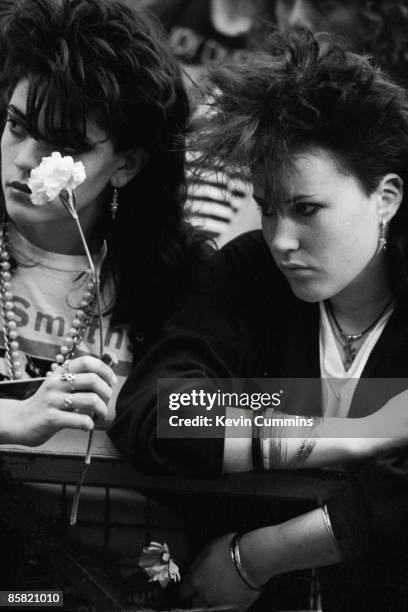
[(382, 240), (114, 204)]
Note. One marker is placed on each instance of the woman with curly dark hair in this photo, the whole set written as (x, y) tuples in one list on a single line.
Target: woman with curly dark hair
[(321, 295), (86, 84), (94, 80)]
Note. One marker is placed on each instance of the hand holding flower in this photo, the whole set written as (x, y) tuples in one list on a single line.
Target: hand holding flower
[(55, 176)]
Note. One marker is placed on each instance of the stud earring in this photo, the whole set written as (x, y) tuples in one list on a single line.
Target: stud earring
[(382, 240), (114, 204)]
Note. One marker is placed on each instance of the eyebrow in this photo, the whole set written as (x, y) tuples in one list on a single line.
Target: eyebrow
[(262, 202), (22, 117), (301, 196), (18, 112)]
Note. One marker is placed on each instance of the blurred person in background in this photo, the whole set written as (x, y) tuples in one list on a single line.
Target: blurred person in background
[(378, 27), (204, 34)]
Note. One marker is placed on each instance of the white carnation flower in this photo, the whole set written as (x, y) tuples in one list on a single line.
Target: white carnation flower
[(156, 561), (53, 175)]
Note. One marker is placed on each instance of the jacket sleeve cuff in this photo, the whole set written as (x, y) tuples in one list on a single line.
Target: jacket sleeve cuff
[(350, 522)]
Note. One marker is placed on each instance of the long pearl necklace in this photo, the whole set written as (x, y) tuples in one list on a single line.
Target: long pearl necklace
[(82, 318)]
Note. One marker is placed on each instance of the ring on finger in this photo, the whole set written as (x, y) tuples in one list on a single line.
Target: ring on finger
[(69, 377), (68, 401), (66, 364)]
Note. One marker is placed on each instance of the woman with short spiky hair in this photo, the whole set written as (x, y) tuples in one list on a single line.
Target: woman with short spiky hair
[(322, 294)]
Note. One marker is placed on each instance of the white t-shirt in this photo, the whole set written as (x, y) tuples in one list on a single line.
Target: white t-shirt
[(338, 384), (48, 288)]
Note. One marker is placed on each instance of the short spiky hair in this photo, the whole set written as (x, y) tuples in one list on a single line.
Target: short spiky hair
[(307, 91)]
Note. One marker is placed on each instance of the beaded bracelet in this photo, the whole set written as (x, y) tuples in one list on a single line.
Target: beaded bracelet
[(236, 559)]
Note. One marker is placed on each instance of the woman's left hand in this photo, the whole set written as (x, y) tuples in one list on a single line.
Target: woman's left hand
[(213, 579)]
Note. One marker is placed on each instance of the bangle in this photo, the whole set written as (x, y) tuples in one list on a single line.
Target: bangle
[(306, 447), (328, 525), (274, 447), (257, 463), (236, 559)]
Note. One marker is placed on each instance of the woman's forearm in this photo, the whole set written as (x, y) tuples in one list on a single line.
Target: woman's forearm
[(302, 542), (338, 440)]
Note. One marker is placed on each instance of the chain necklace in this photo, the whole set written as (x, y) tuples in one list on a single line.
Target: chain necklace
[(82, 318), (347, 339)]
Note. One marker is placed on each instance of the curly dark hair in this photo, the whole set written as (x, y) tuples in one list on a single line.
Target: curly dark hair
[(106, 60), (305, 91)]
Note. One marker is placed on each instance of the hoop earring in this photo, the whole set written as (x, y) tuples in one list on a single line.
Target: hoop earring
[(115, 203), (382, 240)]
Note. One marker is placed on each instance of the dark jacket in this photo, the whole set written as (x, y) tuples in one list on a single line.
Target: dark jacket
[(248, 323)]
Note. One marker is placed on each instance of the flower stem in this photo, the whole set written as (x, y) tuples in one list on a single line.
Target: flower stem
[(87, 252), (69, 201)]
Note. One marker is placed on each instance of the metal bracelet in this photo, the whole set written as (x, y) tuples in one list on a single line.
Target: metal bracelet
[(236, 559), (306, 446), (277, 448), (327, 522), (257, 459)]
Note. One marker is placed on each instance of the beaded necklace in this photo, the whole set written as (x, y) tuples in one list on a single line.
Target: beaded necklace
[(82, 317)]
